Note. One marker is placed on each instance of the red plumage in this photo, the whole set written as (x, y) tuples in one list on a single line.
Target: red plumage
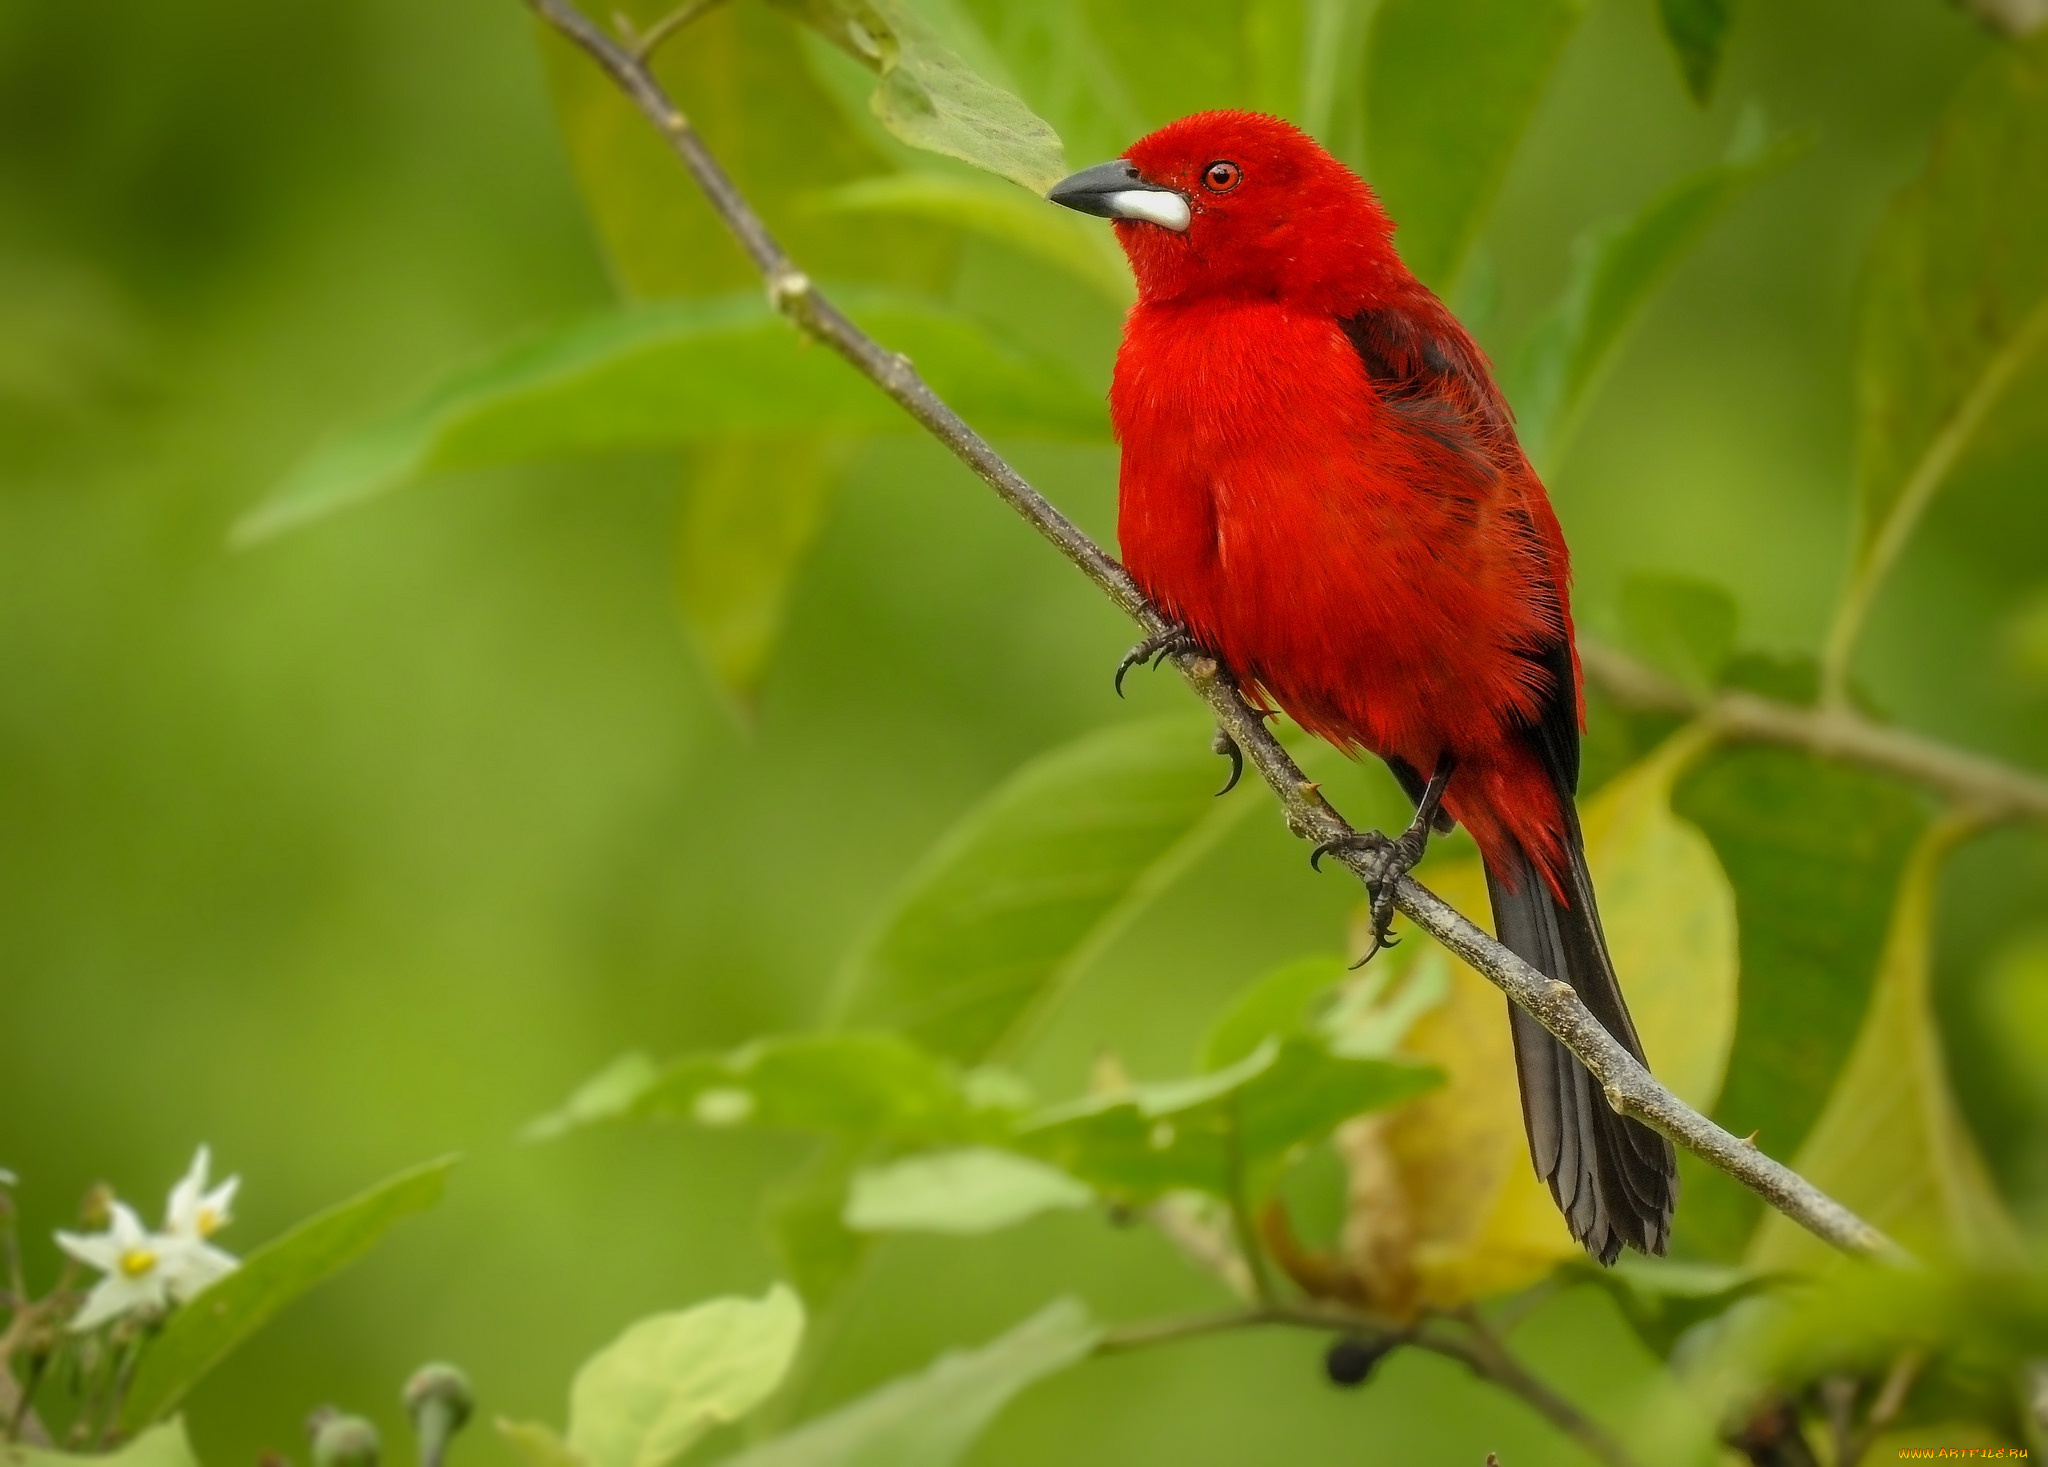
[(1321, 481)]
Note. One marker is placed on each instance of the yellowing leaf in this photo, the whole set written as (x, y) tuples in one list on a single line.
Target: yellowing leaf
[(1669, 913), (1481, 1221), (1891, 1144)]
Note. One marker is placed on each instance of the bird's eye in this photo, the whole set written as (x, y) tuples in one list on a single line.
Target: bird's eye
[(1220, 177)]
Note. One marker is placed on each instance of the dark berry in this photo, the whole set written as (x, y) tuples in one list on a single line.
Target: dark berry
[(1350, 1360)]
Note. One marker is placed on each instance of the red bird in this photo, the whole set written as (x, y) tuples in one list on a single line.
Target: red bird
[(1321, 484)]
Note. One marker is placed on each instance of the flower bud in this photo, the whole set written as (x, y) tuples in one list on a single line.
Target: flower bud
[(96, 1211), (439, 1400), (343, 1441)]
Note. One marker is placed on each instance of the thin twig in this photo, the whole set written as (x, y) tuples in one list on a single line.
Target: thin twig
[(1488, 1357), (1475, 1346), (1628, 1085), (1991, 790), (1891, 1397), (645, 43)]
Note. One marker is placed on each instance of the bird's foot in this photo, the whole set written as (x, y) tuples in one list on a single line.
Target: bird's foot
[(1388, 860), (1155, 649)]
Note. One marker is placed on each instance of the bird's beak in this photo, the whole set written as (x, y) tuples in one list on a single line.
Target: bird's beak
[(1118, 191)]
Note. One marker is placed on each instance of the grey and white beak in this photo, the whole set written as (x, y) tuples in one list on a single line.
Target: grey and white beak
[(1118, 191)]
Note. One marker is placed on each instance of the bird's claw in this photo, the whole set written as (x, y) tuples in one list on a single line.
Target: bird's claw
[(1387, 860), (1155, 649), (1226, 746)]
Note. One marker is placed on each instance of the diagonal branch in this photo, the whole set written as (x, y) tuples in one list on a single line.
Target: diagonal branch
[(1629, 1086)]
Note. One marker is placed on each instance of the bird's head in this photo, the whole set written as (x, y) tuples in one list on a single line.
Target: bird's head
[(1242, 205)]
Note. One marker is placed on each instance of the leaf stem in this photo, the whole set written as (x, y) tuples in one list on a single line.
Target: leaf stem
[(1629, 1087), (1240, 1207), (645, 43)]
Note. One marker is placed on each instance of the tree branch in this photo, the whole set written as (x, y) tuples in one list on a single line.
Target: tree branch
[(1987, 789), (1476, 1347), (1630, 1088)]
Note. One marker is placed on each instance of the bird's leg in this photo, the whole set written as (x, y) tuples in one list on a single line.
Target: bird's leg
[(1390, 860), (1156, 649)]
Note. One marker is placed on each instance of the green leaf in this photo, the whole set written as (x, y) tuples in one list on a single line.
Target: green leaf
[(751, 507), (1616, 267), (1698, 33), (930, 98), (1954, 305), (2023, 641), (660, 236), (609, 1095), (1450, 88), (1814, 851), (1220, 1132), (1276, 1006), (865, 1085), (650, 1395), (677, 372), (974, 1190), (851, 1082), (1037, 880), (162, 1445), (2015, 1008), (204, 1332), (804, 1217), (1974, 1333), (1059, 237), (932, 1418), (1683, 627), (1664, 1300), (1891, 1144), (537, 1444)]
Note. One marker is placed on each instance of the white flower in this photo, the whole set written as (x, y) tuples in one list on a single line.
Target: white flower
[(191, 1217), (7, 1178), (195, 1213), (145, 1272), (133, 1261)]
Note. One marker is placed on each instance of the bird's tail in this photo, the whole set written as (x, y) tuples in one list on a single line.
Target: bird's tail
[(1615, 1179)]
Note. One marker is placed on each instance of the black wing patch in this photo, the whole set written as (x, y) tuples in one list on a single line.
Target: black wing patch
[(1431, 374), (1554, 732)]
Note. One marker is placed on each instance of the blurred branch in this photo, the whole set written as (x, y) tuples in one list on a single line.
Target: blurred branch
[(644, 44), (1470, 1342), (1987, 789), (2015, 18), (1629, 1086)]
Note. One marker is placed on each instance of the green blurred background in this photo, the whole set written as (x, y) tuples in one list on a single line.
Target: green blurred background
[(366, 845)]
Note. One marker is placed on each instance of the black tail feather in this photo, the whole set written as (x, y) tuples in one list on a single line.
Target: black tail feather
[(1615, 1180)]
